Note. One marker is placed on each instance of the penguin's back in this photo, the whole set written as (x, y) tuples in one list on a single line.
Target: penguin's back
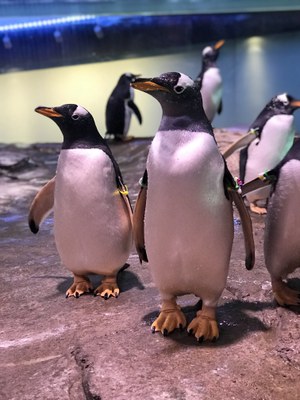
[(281, 245), (91, 224), (188, 220), (211, 91)]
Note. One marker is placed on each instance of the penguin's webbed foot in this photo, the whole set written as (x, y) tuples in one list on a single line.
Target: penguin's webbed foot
[(80, 286), (170, 318), (108, 288), (204, 326), (284, 295), (258, 210)]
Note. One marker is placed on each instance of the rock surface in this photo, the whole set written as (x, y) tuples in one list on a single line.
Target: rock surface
[(88, 348)]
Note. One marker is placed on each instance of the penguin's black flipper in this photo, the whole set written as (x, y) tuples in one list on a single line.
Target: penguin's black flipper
[(135, 110), (260, 182), (220, 108), (232, 193), (247, 228), (41, 206), (138, 220)]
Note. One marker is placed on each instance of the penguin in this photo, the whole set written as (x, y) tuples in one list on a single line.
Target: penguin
[(210, 81), (120, 107), (281, 237), (183, 221), (92, 212), (269, 139)]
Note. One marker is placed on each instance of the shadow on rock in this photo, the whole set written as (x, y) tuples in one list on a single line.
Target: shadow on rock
[(234, 322)]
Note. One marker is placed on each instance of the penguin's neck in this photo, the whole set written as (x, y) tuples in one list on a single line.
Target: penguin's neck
[(208, 64), (194, 120), (82, 138)]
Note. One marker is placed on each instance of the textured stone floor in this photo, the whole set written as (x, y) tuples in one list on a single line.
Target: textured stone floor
[(88, 348)]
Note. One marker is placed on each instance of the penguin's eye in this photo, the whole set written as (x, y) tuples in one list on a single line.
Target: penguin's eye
[(179, 89), (75, 116)]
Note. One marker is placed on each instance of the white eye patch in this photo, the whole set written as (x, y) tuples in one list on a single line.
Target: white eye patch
[(283, 98), (207, 50), (81, 111), (183, 82)]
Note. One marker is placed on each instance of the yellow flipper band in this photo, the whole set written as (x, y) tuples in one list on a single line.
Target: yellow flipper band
[(124, 190), (264, 176)]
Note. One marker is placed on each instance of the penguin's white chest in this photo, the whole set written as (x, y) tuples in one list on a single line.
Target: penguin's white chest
[(188, 220), (91, 227), (276, 139), (211, 92)]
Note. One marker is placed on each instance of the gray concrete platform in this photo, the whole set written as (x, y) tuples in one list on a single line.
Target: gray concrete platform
[(56, 348)]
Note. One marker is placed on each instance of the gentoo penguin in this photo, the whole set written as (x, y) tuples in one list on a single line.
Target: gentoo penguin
[(269, 139), (282, 236), (210, 81), (92, 214), (183, 221), (120, 107)]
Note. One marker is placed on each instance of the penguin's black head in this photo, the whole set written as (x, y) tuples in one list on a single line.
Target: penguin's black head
[(76, 124), (123, 86), (174, 90), (129, 76), (180, 99), (211, 53), (283, 104)]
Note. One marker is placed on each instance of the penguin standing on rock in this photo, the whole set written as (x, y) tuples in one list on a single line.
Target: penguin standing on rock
[(269, 139), (282, 236), (210, 81), (92, 214), (119, 109), (183, 221)]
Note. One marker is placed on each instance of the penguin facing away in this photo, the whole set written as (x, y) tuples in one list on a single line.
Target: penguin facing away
[(183, 221), (269, 139), (119, 109), (92, 213), (282, 236), (210, 81)]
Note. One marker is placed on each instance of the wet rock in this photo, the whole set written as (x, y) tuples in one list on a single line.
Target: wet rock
[(88, 348)]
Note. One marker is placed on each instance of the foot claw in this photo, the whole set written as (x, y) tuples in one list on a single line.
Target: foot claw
[(168, 320), (80, 286), (108, 288), (204, 327), (200, 339), (165, 332), (284, 295)]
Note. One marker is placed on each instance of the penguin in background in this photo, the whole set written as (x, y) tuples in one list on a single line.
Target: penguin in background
[(282, 224), (210, 81), (268, 140), (92, 213), (119, 109), (183, 217)]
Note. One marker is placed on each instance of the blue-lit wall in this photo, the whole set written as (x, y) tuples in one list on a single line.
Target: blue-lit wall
[(80, 62)]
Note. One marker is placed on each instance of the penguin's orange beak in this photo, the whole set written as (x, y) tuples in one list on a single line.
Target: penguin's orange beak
[(146, 85), (295, 103), (48, 112), (219, 44)]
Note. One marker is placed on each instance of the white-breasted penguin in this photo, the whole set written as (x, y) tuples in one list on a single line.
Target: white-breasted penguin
[(269, 139), (282, 225), (210, 81), (119, 109), (183, 221), (92, 213)]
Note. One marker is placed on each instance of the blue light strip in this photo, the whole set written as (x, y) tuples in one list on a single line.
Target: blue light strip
[(46, 23)]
